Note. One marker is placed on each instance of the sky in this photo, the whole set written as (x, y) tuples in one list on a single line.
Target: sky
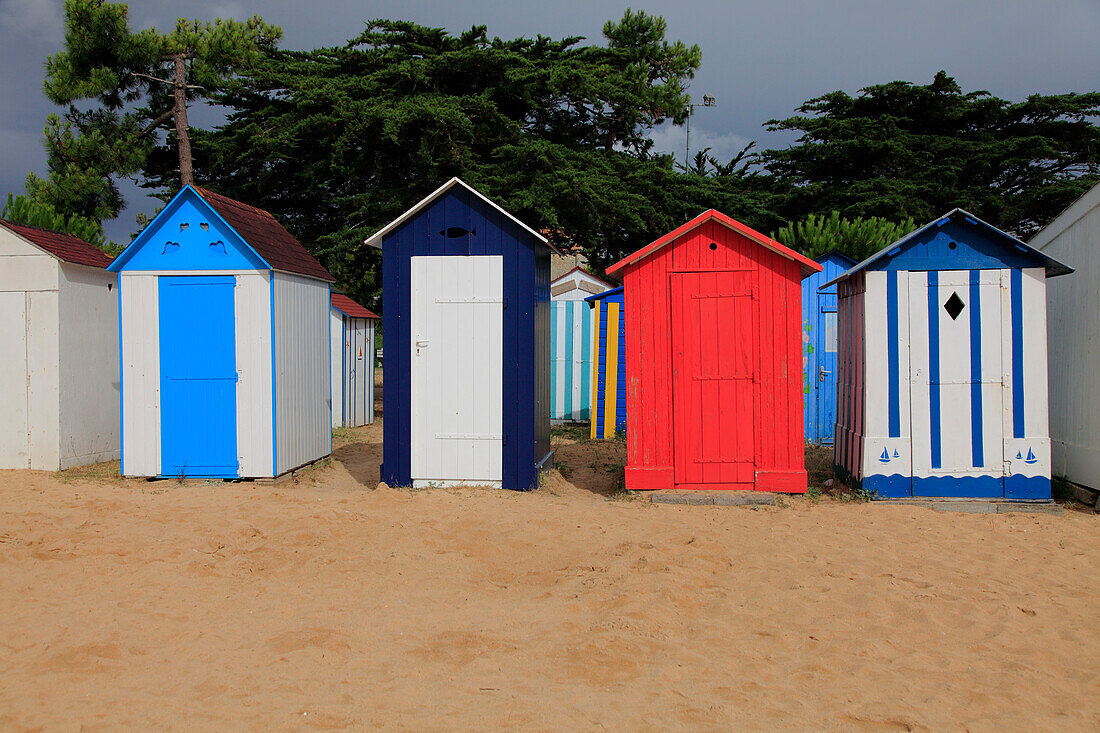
[(761, 59)]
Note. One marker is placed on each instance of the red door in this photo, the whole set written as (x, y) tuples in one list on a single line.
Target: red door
[(714, 360)]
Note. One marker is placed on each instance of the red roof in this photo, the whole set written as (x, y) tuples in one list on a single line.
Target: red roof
[(265, 235), (808, 266), (64, 247), (349, 307)]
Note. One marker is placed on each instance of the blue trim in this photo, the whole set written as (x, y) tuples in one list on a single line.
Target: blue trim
[(1017, 297), (343, 367), (1027, 487), (892, 348), (977, 435), (614, 295), (569, 361), (934, 366), (894, 486), (969, 487), (274, 393), (620, 384), (328, 330), (121, 403)]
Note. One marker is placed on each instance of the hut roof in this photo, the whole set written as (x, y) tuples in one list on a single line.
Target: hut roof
[(64, 247), (349, 307)]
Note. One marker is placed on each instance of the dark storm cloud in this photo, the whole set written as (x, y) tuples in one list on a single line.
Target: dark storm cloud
[(760, 59)]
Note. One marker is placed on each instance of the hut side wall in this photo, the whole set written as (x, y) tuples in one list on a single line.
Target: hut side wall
[(1073, 318), (526, 324), (571, 370), (851, 393), (778, 421), (352, 375), (252, 304), (819, 396), (139, 328), (88, 365), (303, 421)]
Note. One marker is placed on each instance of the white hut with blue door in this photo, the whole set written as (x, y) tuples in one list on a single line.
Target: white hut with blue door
[(819, 347), (352, 363), (224, 334), (466, 313), (942, 369)]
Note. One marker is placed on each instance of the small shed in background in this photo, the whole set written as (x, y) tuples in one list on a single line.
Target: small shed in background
[(608, 364), (571, 339), (466, 313), (224, 331), (59, 359), (1073, 320), (352, 378), (713, 360), (943, 365), (819, 347)]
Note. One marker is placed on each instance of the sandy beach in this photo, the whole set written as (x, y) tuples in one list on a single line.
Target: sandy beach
[(329, 603)]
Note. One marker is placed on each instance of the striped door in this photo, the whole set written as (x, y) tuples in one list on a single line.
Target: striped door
[(956, 385), (571, 339), (715, 357), (608, 370)]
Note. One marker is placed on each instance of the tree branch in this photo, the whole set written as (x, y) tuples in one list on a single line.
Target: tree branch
[(157, 122), (169, 82)]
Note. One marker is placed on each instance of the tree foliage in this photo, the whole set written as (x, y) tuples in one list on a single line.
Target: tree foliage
[(110, 79), (24, 210), (901, 150), (858, 238), (337, 142)]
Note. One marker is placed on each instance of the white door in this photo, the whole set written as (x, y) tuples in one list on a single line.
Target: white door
[(14, 449), (955, 360), (457, 326)]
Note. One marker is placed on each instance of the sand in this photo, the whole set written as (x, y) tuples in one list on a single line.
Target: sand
[(329, 603)]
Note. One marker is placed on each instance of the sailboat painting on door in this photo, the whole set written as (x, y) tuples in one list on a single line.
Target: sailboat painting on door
[(942, 365), (466, 317)]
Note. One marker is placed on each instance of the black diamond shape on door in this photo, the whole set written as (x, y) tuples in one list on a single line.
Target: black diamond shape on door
[(954, 306)]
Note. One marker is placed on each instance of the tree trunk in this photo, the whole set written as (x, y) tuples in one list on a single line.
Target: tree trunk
[(183, 139)]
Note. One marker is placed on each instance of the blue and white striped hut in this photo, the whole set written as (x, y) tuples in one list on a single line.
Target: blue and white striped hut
[(942, 368), (819, 348)]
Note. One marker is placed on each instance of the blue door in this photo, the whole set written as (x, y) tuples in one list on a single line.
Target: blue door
[(825, 385), (198, 377)]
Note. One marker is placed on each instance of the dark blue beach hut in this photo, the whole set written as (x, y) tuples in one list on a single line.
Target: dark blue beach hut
[(466, 318), (819, 347)]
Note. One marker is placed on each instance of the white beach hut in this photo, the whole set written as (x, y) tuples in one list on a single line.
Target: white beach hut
[(225, 330), (942, 365), (352, 363), (59, 360), (1073, 323)]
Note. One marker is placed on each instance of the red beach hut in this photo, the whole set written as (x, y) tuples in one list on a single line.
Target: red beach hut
[(714, 360)]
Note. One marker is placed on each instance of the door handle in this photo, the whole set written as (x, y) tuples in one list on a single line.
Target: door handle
[(421, 345), (821, 373)]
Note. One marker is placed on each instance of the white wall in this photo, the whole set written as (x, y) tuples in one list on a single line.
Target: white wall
[(303, 417), (89, 373), (255, 440), (337, 350), (140, 335), (1073, 321)]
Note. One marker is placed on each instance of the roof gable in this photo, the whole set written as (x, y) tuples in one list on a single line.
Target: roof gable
[(349, 307), (188, 235), (64, 247), (375, 240), (200, 230), (1073, 213), (957, 241), (807, 265)]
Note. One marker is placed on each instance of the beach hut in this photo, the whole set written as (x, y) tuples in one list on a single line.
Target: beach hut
[(608, 365), (942, 370), (1073, 320), (466, 313), (224, 330), (713, 359), (571, 324), (819, 348), (58, 351), (352, 343)]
